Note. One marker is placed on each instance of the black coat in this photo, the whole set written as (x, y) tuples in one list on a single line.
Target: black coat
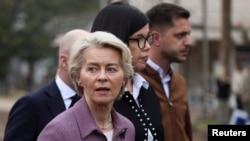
[(149, 118), (32, 112), (224, 89)]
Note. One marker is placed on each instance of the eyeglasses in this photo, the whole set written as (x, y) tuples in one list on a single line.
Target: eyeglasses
[(141, 41)]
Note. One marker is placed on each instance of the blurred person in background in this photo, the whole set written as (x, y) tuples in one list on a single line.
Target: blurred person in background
[(139, 103), (169, 24), (30, 114), (237, 83), (99, 66), (246, 91), (223, 93)]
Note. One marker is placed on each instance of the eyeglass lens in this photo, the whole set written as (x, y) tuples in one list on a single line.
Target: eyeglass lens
[(142, 41)]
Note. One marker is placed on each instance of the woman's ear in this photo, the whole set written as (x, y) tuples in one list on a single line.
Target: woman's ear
[(79, 82), (124, 83)]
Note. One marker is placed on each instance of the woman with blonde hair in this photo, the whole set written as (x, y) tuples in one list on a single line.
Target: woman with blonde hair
[(99, 66)]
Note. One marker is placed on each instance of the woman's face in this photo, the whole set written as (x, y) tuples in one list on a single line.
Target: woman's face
[(140, 54), (101, 75)]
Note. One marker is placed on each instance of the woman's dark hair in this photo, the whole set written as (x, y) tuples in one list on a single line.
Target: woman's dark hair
[(120, 19)]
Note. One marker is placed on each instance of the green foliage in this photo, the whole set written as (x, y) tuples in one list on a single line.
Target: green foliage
[(25, 30), (33, 41), (6, 15)]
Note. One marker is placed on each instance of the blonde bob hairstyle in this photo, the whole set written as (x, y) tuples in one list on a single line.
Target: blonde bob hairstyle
[(95, 40)]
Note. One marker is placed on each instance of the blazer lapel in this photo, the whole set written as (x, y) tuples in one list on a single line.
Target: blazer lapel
[(55, 102)]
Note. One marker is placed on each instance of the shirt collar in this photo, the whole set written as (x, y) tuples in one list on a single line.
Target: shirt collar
[(154, 66), (90, 127), (139, 82), (64, 89), (160, 70)]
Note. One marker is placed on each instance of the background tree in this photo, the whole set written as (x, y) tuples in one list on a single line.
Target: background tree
[(6, 50), (28, 30)]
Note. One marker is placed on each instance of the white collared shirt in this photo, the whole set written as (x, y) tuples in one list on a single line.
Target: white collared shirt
[(65, 90), (164, 79), (139, 82)]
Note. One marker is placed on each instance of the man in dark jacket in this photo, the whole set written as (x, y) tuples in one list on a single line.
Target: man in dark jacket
[(32, 112)]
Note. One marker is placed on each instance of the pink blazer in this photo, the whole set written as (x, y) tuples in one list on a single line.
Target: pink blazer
[(77, 124)]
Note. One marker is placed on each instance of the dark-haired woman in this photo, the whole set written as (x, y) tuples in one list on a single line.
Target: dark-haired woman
[(139, 103)]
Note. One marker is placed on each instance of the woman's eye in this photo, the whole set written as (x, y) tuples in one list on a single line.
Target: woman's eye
[(92, 69), (111, 70)]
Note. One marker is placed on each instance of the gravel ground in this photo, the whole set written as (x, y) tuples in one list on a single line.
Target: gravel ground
[(6, 104)]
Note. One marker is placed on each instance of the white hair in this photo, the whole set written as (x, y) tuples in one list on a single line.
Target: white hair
[(96, 40)]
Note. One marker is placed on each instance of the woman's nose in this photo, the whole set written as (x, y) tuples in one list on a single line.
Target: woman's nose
[(102, 76)]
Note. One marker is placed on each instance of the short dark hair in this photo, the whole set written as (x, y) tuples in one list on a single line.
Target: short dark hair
[(120, 19), (162, 15)]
